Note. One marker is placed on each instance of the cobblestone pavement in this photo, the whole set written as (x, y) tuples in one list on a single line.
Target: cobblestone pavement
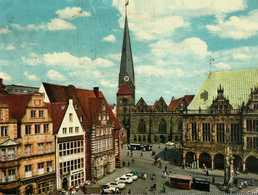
[(145, 164)]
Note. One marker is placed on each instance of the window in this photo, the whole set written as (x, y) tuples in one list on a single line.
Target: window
[(41, 113), (46, 128), (220, 132), (64, 130), (49, 166), (70, 129), (40, 147), (28, 149), (28, 170), (162, 127), (33, 113), (141, 126), (71, 117), (76, 129), (41, 168), (4, 131), (194, 132), (236, 134), (27, 129), (206, 132), (37, 128)]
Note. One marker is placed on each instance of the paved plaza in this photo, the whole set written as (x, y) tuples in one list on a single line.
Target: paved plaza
[(144, 163)]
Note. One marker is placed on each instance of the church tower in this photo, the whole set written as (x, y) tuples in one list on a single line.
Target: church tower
[(126, 82)]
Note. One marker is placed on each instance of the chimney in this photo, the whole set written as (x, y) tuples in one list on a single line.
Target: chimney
[(96, 91)]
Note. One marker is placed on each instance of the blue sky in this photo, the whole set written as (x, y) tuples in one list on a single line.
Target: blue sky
[(79, 42)]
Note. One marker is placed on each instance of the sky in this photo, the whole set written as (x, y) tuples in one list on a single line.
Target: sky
[(175, 43)]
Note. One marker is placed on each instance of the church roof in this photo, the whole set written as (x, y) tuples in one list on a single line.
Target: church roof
[(177, 103), (126, 65), (237, 86)]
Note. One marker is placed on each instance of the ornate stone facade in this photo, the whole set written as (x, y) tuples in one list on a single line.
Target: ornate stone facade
[(208, 133)]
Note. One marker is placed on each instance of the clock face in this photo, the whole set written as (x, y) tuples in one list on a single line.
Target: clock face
[(126, 78)]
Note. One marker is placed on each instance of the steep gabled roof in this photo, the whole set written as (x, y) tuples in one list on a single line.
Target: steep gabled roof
[(177, 103), (17, 104), (57, 110), (88, 102), (237, 86)]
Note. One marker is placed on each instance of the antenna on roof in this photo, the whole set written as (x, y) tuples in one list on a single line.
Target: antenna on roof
[(211, 62)]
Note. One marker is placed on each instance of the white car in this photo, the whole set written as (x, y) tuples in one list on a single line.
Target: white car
[(130, 175), (109, 189), (117, 184), (124, 179), (171, 144)]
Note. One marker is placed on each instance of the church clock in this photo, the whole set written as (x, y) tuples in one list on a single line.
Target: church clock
[(126, 78)]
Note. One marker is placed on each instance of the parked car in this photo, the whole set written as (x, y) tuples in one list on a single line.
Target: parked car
[(117, 184), (109, 189), (124, 179), (131, 175), (171, 144)]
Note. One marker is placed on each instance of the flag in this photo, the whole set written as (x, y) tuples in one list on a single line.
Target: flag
[(127, 3)]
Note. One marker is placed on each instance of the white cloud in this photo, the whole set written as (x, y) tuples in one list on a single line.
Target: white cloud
[(31, 76), (67, 60), (55, 75), (4, 30), (7, 47), (5, 76), (157, 71), (107, 83), (109, 38), (152, 19), (56, 24), (222, 66), (70, 13), (192, 46), (236, 27), (32, 59)]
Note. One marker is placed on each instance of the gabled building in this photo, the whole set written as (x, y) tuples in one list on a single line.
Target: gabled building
[(70, 147), (102, 130), (28, 149)]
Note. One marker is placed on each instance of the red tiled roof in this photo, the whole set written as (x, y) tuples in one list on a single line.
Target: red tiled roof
[(124, 90), (89, 102), (57, 111), (176, 103), (17, 104)]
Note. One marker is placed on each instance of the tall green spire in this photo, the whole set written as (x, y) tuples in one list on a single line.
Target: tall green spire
[(126, 65)]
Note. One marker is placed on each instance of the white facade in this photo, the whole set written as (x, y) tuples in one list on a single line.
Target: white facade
[(70, 150)]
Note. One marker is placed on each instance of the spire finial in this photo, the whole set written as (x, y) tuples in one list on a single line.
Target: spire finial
[(126, 4)]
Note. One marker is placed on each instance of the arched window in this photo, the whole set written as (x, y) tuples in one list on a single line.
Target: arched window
[(141, 126), (163, 126)]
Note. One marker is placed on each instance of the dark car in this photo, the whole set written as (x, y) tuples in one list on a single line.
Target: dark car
[(201, 184)]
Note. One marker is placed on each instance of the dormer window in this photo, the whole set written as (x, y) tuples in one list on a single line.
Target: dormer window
[(71, 117), (33, 113)]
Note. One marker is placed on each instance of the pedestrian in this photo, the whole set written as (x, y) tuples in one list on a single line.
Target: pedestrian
[(129, 191), (141, 154), (128, 163), (132, 161), (166, 168), (127, 153), (123, 163)]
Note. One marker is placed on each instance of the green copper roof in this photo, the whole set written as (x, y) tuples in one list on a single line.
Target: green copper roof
[(237, 87)]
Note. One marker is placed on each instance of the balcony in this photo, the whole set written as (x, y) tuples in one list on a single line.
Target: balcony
[(8, 157), (7, 179), (28, 174)]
